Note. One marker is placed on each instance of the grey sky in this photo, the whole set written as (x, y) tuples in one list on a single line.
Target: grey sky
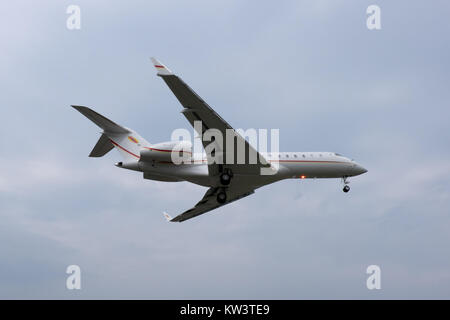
[(310, 68)]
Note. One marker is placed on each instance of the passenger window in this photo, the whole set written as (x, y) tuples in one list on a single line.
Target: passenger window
[(303, 155), (287, 156), (295, 156)]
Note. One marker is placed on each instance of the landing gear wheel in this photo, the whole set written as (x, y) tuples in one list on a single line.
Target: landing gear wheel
[(221, 197), (225, 179), (346, 189)]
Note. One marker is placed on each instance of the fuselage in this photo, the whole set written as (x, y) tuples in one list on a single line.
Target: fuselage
[(289, 165)]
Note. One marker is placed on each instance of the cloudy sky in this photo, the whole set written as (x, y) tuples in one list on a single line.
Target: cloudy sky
[(310, 68)]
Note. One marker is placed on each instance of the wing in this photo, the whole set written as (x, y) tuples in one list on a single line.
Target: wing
[(196, 109), (209, 203)]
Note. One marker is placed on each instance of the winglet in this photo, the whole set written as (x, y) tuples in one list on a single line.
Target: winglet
[(162, 69), (168, 217)]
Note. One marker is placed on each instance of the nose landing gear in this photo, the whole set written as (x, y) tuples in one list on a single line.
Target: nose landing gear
[(346, 186)]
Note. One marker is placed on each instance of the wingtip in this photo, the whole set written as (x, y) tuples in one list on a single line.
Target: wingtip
[(78, 107), (161, 68), (167, 216)]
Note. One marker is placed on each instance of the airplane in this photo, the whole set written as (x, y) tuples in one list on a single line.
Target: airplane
[(227, 181)]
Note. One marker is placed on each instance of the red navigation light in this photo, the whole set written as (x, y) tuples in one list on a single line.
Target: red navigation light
[(302, 177)]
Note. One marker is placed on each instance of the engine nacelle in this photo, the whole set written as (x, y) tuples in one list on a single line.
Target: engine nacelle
[(162, 152)]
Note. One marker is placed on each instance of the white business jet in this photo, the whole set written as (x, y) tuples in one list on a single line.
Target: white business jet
[(227, 179)]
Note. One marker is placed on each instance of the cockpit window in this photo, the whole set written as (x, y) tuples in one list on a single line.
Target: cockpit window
[(337, 154)]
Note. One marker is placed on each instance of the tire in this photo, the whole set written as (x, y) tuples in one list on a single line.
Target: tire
[(221, 197), (225, 179), (346, 189)]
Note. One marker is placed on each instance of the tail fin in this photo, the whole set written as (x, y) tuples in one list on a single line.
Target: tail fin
[(127, 141)]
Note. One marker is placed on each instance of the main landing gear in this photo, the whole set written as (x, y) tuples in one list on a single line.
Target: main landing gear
[(221, 197), (225, 177), (346, 186)]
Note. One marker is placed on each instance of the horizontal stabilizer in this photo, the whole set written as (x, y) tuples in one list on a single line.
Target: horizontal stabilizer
[(102, 147), (103, 122)]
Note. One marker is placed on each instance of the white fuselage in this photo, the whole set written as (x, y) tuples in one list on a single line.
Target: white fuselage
[(298, 165)]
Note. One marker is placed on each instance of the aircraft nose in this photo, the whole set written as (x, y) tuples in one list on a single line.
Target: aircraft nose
[(358, 169)]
